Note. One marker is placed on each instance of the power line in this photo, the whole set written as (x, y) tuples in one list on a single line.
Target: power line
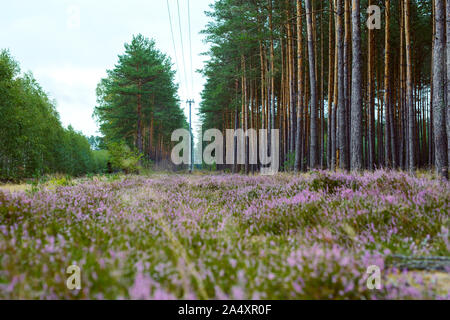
[(190, 45), (192, 87), (191, 101), (173, 42), (182, 46)]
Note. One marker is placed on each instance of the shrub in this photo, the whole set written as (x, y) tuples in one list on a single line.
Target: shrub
[(61, 182), (123, 158), (290, 162)]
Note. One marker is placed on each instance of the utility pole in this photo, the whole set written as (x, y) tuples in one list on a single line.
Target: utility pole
[(191, 165)]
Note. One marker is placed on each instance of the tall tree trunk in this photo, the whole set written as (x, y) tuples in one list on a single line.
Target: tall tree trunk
[(403, 142), (371, 99), (334, 147), (272, 81), (409, 88), (448, 80), (262, 56), (347, 79), (387, 61), (244, 112), (312, 77), (263, 89), (379, 123), (236, 126), (356, 102), (298, 152), (318, 80), (342, 130), (281, 105), (330, 82), (431, 138), (150, 138), (390, 106), (139, 119), (322, 91), (291, 79), (439, 91)]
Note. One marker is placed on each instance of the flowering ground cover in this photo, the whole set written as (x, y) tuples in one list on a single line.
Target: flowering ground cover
[(309, 236)]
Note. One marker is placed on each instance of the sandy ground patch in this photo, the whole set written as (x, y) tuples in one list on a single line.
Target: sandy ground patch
[(15, 187)]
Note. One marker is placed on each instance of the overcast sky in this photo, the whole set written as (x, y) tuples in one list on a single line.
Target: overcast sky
[(69, 44)]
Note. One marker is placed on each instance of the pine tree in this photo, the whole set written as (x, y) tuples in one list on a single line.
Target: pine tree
[(409, 88), (356, 102), (448, 79), (298, 136), (312, 76), (341, 109), (282, 87), (439, 91), (387, 91), (139, 95)]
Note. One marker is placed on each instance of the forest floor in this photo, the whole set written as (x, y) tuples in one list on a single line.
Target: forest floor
[(168, 236)]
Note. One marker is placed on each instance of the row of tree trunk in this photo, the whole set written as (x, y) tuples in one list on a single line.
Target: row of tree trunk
[(340, 105)]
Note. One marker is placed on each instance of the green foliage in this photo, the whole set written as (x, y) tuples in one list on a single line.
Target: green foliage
[(290, 162), (65, 181), (325, 182), (124, 158), (137, 101), (33, 141), (209, 167), (100, 161)]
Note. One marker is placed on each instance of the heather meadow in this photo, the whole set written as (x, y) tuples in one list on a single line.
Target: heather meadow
[(170, 236)]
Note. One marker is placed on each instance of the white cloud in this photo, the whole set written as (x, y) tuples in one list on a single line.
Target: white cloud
[(69, 50), (72, 75), (74, 90)]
